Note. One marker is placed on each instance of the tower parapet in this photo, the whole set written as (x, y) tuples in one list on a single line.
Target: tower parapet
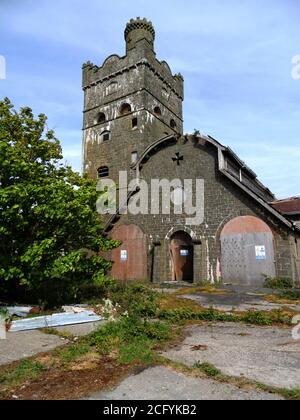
[(137, 30)]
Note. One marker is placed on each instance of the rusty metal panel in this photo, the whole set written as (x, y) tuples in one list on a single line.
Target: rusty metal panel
[(247, 251), (130, 259)]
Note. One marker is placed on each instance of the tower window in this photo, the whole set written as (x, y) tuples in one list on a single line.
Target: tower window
[(125, 109), (173, 124), (100, 118), (105, 136), (134, 157), (103, 172), (157, 111), (134, 122)]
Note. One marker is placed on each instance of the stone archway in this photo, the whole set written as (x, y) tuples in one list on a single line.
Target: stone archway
[(182, 257), (247, 251), (130, 258)]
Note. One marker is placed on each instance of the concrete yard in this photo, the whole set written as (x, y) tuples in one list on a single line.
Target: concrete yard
[(268, 355), (160, 383), (238, 298), (20, 345)]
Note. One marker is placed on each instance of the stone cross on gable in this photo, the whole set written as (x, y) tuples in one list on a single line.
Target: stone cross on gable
[(178, 158)]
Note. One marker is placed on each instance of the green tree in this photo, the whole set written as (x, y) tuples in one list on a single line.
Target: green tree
[(50, 232)]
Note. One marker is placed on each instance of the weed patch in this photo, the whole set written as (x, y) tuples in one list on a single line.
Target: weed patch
[(26, 370), (208, 369), (74, 352), (279, 283)]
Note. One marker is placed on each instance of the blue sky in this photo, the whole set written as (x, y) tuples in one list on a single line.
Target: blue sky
[(236, 57)]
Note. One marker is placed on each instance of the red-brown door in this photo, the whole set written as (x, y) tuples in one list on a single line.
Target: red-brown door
[(130, 259), (182, 257)]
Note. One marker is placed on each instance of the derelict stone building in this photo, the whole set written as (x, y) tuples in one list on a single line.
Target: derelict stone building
[(133, 122)]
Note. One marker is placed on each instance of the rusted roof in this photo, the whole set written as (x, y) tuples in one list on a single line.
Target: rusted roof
[(288, 206)]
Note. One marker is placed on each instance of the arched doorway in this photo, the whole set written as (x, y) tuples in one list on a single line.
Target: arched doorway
[(130, 259), (182, 257), (247, 251)]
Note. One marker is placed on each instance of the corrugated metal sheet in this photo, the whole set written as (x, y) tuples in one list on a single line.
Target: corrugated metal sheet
[(241, 262), (55, 320)]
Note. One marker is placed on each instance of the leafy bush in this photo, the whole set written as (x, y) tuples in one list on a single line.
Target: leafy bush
[(50, 232), (279, 283)]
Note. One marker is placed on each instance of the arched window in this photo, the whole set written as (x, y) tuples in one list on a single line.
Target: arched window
[(103, 172), (125, 109), (157, 111), (173, 124), (105, 136), (100, 118)]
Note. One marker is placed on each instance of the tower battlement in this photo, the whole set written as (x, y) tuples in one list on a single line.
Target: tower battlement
[(129, 102)]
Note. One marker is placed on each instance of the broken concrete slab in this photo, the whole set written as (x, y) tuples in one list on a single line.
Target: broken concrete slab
[(20, 345), (80, 330), (163, 384), (265, 354)]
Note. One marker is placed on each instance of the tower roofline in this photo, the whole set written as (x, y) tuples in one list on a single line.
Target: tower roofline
[(139, 23)]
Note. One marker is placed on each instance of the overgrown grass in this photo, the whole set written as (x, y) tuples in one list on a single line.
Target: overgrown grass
[(250, 317), (279, 283), (26, 370), (289, 295), (74, 352), (133, 338)]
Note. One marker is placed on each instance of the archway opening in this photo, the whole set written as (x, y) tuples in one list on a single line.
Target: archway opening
[(125, 109), (182, 257)]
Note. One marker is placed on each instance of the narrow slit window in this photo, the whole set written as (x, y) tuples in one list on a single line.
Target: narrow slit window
[(157, 111), (134, 157), (134, 122), (106, 136), (173, 124)]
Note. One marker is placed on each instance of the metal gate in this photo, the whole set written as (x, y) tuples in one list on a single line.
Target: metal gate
[(247, 251)]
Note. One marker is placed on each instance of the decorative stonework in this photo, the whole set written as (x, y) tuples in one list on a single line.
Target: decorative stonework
[(139, 24)]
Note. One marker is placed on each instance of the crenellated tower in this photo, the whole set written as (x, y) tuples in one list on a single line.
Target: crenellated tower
[(129, 102)]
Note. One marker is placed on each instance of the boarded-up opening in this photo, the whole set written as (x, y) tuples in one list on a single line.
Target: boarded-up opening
[(247, 251), (182, 257), (130, 259)]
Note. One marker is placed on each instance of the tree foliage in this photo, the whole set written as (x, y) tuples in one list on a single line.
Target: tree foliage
[(50, 232)]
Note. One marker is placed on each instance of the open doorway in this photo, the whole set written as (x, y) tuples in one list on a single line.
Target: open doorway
[(182, 257)]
